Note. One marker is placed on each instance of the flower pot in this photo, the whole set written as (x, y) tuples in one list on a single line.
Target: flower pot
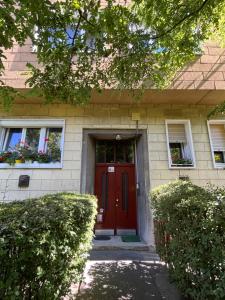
[(18, 161), (28, 161)]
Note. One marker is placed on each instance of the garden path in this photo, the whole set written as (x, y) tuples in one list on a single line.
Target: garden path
[(125, 275)]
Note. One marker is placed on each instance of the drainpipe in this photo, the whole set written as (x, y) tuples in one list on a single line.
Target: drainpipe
[(136, 161)]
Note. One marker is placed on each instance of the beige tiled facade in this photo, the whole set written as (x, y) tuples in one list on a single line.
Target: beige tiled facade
[(200, 84), (112, 117)]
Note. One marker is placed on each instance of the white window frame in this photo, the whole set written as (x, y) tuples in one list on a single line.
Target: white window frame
[(188, 132), (32, 123), (215, 122)]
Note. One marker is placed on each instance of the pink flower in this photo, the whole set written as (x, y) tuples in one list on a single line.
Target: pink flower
[(46, 140)]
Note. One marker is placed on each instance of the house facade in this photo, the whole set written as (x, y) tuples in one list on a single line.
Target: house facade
[(115, 147)]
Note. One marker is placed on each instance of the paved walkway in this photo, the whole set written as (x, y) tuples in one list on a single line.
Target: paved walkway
[(125, 275)]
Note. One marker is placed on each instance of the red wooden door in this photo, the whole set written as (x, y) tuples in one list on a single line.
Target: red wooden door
[(125, 196), (115, 189)]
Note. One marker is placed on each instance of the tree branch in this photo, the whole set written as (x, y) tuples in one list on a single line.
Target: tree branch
[(181, 21)]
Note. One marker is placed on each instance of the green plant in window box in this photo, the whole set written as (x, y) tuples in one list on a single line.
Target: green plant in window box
[(13, 157), (43, 157), (28, 154), (182, 161), (18, 157), (2, 157)]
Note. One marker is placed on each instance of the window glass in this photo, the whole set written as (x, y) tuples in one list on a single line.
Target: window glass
[(100, 152), (53, 142), (110, 152), (114, 151), (129, 153), (176, 152), (219, 156), (32, 138), (13, 137), (125, 152), (105, 152)]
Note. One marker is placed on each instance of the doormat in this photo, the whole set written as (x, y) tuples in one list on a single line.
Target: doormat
[(102, 238), (130, 238)]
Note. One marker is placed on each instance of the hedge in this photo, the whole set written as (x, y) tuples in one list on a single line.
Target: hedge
[(44, 244), (190, 235)]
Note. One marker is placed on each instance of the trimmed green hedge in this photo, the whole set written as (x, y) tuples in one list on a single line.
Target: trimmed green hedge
[(190, 237), (44, 243)]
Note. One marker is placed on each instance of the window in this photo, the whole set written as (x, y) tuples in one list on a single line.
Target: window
[(217, 141), (110, 151), (31, 143), (179, 143)]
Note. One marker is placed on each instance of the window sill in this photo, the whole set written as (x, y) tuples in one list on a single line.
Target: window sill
[(55, 165), (220, 166), (181, 166)]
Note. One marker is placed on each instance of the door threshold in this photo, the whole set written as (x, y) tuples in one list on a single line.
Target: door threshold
[(119, 232), (104, 232)]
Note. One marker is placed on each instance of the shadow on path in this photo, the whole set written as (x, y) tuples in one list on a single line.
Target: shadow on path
[(126, 279)]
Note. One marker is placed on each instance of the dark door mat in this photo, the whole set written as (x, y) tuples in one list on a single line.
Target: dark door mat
[(102, 238), (130, 238)]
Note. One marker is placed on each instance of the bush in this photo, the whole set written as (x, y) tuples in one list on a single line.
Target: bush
[(44, 244), (190, 231)]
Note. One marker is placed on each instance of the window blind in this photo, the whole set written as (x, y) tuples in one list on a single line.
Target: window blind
[(176, 133), (218, 137)]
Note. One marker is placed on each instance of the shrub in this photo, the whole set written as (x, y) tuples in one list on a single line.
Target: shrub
[(44, 244), (193, 220)]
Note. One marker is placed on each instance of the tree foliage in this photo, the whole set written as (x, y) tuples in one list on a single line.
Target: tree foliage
[(84, 45)]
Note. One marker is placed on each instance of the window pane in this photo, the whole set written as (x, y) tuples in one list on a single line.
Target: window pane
[(219, 157), (110, 152), (53, 142), (176, 152), (125, 151), (129, 152), (13, 139), (100, 152), (105, 151), (32, 138)]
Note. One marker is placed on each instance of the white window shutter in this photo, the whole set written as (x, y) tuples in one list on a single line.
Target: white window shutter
[(218, 137), (176, 133)]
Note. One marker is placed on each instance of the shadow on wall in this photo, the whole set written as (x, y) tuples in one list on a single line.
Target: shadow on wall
[(127, 280)]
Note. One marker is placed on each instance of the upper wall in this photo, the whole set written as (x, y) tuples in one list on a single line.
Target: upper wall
[(207, 72)]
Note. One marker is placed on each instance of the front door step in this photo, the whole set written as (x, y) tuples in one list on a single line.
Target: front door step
[(116, 243), (118, 232), (104, 232)]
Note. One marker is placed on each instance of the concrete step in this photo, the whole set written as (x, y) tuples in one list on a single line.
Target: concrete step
[(116, 244)]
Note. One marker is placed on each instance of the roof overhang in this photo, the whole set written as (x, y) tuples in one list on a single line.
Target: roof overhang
[(168, 96)]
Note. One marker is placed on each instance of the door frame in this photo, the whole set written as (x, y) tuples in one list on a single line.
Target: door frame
[(144, 215)]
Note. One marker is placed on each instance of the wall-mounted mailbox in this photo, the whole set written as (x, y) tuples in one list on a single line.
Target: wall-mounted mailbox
[(24, 181)]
